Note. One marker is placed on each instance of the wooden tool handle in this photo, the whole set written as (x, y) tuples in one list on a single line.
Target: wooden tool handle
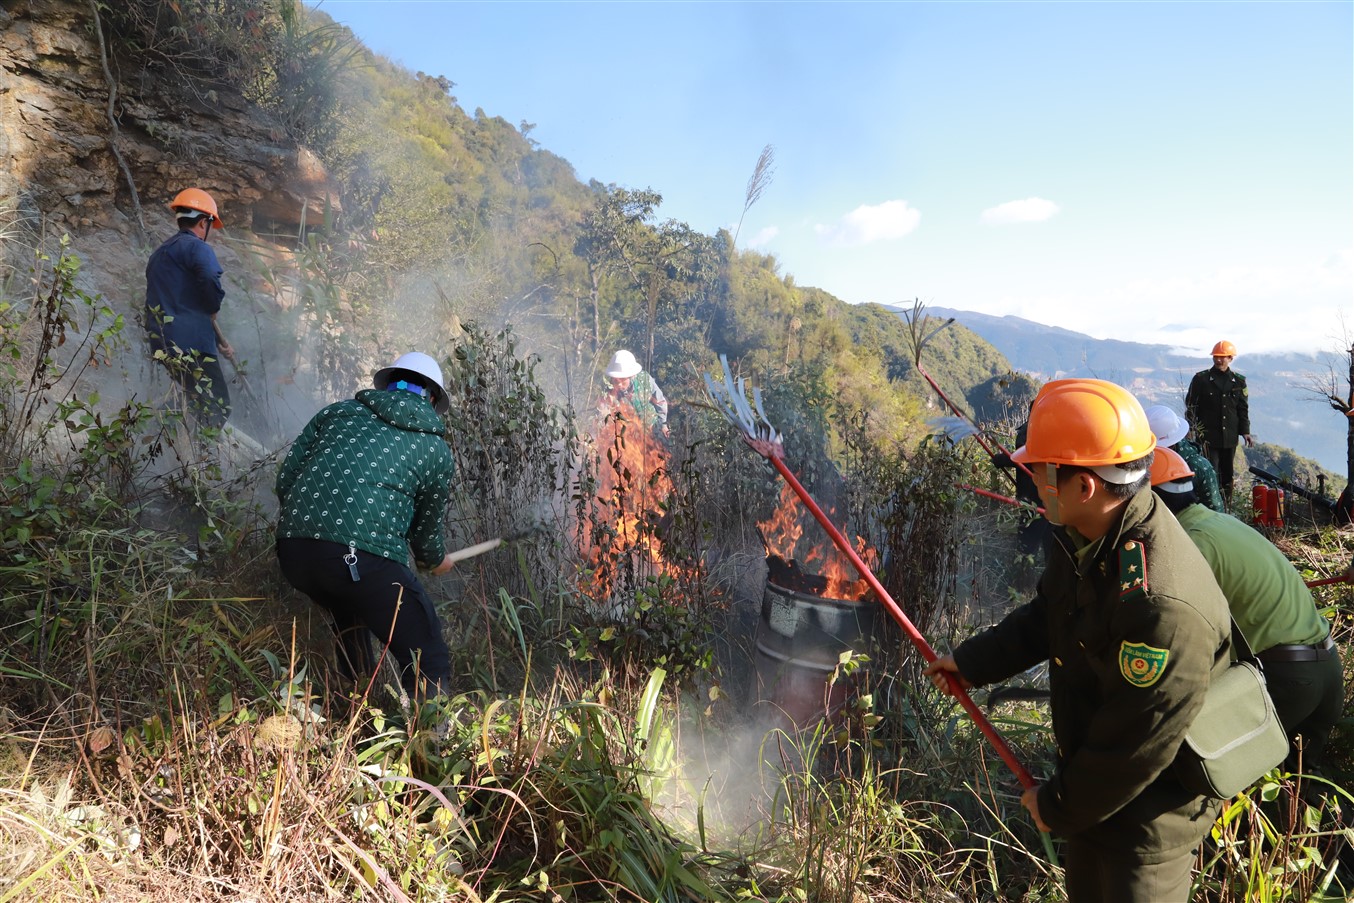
[(478, 548)]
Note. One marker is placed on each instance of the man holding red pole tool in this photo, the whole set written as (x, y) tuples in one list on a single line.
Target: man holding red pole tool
[(1133, 626)]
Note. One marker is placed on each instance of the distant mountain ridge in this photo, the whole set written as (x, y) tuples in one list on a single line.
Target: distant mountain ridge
[(1283, 409)]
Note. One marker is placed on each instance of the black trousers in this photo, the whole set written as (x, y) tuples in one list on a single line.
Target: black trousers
[(1309, 698), (204, 383), (388, 601), (1223, 461)]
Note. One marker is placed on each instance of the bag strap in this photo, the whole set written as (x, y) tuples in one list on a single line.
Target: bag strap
[(1243, 648)]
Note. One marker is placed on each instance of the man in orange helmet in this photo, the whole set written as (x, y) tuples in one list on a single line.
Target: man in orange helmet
[(183, 297), (1133, 627), (1218, 407)]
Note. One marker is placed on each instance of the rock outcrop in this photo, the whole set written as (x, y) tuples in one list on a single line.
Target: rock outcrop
[(57, 143)]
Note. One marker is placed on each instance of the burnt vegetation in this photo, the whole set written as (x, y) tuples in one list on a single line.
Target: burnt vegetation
[(169, 725)]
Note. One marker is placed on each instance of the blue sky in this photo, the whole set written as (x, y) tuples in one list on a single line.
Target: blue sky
[(1171, 173)]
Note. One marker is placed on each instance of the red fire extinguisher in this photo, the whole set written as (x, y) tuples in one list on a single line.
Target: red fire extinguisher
[(1260, 505), (1267, 503), (1275, 508)]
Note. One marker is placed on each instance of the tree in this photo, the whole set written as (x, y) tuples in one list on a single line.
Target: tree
[(635, 268)]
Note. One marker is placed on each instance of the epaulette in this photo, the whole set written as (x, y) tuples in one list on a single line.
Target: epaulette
[(1132, 572)]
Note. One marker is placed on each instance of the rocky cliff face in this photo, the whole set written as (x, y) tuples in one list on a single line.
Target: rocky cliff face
[(69, 162), (57, 142)]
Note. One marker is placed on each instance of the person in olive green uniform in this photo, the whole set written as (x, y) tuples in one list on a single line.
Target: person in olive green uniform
[(1218, 407), (1274, 610), (1171, 431), (1134, 629), (367, 481)]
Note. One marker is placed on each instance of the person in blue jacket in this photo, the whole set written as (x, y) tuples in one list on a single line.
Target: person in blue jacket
[(183, 297)]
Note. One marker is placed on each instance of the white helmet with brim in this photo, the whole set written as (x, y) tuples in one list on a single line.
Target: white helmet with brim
[(420, 364), (623, 365)]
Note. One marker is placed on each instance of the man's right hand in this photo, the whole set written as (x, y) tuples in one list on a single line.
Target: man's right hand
[(444, 567), (944, 670)]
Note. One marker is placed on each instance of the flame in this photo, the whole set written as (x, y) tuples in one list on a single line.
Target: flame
[(618, 524), (782, 532)]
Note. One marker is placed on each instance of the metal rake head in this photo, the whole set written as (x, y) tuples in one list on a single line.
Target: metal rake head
[(730, 399), (954, 428)]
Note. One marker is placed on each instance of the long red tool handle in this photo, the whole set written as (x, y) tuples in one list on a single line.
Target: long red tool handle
[(1343, 578), (896, 611), (960, 412), (999, 497)]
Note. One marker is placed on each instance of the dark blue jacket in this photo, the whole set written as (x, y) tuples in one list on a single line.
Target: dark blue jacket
[(183, 291)]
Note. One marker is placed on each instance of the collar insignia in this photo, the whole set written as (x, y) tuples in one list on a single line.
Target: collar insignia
[(1132, 572)]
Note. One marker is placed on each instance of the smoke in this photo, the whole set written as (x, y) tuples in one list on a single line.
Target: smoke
[(731, 777)]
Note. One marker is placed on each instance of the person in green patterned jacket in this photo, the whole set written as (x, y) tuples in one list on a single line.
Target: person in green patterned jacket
[(368, 480), (632, 387), (1134, 629), (1171, 429)]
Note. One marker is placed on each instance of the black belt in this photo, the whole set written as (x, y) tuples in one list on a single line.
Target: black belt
[(1315, 652)]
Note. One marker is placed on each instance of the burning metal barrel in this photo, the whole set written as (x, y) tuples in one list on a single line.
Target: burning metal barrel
[(800, 638)]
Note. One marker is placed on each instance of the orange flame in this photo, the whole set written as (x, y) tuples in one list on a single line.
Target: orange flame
[(782, 532), (618, 525)]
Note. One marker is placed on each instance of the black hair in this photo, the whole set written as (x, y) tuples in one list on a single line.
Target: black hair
[(1120, 491), (1177, 501), (417, 379)]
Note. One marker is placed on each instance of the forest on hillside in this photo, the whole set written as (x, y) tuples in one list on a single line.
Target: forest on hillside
[(172, 725)]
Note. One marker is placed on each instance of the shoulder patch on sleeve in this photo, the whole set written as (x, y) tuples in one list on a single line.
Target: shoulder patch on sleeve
[(1141, 664), (1132, 572)]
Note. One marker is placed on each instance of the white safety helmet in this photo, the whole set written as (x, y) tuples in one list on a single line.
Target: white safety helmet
[(421, 364), (1168, 426), (623, 364)]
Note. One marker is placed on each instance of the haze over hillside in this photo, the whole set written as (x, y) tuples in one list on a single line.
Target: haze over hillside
[(1284, 410)]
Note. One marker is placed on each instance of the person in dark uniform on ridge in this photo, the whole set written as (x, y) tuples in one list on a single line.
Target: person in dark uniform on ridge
[(1218, 406), (1274, 610), (1131, 656)]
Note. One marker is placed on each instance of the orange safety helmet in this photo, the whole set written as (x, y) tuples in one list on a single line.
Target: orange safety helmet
[(199, 200), (1168, 466), (1224, 349), (1086, 422)]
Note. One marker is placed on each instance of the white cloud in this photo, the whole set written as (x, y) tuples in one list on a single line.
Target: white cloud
[(865, 224), (763, 237), (1030, 210)]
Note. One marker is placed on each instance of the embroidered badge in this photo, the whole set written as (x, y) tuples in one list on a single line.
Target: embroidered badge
[(1141, 664), (1132, 572)]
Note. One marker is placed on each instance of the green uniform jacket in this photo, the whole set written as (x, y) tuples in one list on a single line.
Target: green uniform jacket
[(374, 472), (1218, 407), (1133, 628), (1270, 602), (1205, 478)]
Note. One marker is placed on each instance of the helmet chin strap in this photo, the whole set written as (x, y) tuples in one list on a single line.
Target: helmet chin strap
[(1051, 510)]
